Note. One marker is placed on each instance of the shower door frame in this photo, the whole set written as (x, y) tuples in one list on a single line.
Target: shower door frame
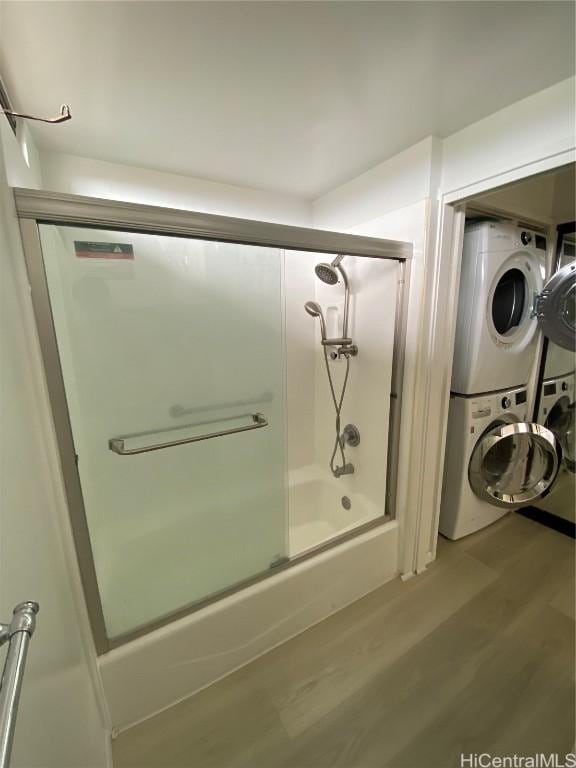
[(36, 207)]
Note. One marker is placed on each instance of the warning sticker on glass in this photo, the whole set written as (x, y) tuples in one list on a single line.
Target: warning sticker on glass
[(95, 250)]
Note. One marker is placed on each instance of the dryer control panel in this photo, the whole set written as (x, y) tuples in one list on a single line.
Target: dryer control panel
[(530, 238), (509, 235)]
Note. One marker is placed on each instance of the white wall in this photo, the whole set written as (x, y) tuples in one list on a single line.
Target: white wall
[(393, 201), (316, 510), (112, 181), (20, 156), (302, 339), (389, 186), (373, 292), (533, 129), (61, 723)]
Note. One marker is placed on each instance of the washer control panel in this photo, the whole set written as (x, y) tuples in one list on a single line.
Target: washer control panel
[(490, 406)]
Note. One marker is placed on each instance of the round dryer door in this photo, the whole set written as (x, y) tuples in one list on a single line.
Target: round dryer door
[(514, 464), (510, 319), (556, 307), (509, 300), (561, 421)]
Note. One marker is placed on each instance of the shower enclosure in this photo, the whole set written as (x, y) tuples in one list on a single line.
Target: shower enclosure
[(194, 417)]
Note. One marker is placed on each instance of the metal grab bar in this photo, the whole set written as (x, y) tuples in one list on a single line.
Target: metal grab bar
[(118, 444), (17, 634)]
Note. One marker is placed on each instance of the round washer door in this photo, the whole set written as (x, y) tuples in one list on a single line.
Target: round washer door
[(514, 464), (556, 307)]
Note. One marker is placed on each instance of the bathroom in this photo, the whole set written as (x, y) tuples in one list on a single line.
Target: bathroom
[(227, 347)]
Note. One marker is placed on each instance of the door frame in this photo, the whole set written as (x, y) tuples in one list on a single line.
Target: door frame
[(436, 354)]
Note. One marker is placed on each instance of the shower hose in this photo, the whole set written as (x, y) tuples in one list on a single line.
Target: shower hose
[(339, 442)]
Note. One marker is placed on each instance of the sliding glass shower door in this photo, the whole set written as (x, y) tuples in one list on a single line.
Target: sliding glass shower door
[(172, 357)]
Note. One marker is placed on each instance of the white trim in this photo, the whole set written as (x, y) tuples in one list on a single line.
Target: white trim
[(413, 415), (491, 183), (450, 239), (436, 362)]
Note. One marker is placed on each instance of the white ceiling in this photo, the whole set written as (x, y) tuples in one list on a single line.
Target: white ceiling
[(288, 96)]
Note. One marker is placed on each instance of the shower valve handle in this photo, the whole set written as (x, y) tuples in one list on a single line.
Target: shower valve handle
[(351, 435)]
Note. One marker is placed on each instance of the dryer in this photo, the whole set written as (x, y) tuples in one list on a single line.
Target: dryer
[(495, 460), (503, 267), (559, 360)]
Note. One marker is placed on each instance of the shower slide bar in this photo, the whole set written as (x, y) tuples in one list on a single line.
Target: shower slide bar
[(180, 410), (118, 444), (17, 634)]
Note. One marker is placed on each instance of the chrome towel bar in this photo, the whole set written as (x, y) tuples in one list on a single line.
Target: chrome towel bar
[(17, 634), (61, 118), (119, 444)]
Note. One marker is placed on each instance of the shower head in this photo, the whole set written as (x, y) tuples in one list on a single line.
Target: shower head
[(327, 273), (331, 274), (315, 310)]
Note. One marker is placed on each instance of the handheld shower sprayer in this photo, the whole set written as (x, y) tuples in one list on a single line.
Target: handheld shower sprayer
[(315, 310)]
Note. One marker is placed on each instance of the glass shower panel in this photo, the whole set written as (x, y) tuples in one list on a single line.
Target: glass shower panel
[(164, 341)]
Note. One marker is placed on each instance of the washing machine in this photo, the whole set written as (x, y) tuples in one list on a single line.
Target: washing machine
[(496, 460), (503, 267), (557, 411)]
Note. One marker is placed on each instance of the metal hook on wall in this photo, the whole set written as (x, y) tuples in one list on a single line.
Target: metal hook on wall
[(62, 117)]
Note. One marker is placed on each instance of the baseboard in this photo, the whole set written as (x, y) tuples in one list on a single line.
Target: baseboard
[(549, 520)]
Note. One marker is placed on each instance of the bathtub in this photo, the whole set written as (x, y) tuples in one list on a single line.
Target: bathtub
[(321, 507), (155, 671)]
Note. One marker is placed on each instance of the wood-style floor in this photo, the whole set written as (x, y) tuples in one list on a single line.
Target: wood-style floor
[(475, 655)]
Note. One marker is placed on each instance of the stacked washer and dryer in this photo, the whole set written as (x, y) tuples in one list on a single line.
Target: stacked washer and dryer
[(496, 459)]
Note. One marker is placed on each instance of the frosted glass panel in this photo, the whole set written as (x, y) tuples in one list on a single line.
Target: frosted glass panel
[(164, 336)]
